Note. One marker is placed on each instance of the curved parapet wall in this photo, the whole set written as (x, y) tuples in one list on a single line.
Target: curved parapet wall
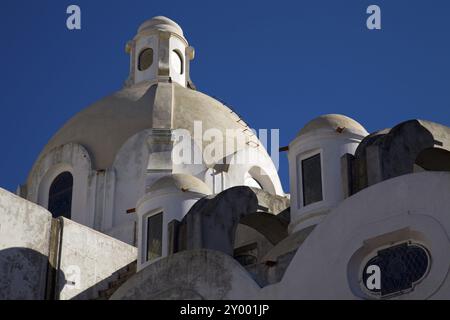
[(212, 222), (192, 275), (398, 151)]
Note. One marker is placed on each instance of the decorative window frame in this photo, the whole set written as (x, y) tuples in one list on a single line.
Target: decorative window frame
[(144, 232), (72, 158), (399, 228), (182, 62), (375, 252), (299, 161), (138, 62)]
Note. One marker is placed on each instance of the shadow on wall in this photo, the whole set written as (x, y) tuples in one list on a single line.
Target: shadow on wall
[(24, 273), (434, 159), (105, 288), (409, 147), (212, 222)]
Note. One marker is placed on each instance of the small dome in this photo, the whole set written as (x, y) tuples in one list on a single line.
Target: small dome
[(333, 122), (161, 23), (180, 182)]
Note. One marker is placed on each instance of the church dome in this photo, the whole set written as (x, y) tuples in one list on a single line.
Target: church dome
[(180, 182), (148, 102), (333, 122), (156, 125), (106, 125)]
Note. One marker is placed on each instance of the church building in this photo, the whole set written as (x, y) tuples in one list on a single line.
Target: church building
[(111, 208)]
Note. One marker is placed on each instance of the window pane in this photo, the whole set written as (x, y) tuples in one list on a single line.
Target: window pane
[(60, 196), (154, 236), (145, 59), (401, 266), (312, 180), (247, 255)]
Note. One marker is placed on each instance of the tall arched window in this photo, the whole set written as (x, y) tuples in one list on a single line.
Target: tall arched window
[(60, 196), (177, 61)]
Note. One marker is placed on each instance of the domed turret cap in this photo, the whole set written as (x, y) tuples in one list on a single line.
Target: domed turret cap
[(161, 23), (333, 122)]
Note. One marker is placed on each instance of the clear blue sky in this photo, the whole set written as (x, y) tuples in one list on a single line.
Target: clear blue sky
[(278, 63)]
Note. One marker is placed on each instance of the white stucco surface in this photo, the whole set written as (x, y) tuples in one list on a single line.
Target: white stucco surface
[(24, 248), (88, 258), (408, 208), (96, 256)]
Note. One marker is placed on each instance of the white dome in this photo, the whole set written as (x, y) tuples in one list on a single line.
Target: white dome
[(161, 23), (333, 122), (106, 125)]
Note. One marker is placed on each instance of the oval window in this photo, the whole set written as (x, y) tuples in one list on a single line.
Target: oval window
[(177, 61), (145, 59), (396, 270)]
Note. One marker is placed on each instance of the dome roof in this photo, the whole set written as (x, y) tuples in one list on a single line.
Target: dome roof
[(332, 122), (161, 23), (106, 125), (180, 182)]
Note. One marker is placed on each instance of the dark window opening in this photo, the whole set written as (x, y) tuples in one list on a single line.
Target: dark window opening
[(312, 180), (400, 268), (154, 236), (60, 196), (247, 255), (246, 259), (145, 59)]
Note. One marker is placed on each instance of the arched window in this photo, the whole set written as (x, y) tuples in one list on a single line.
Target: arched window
[(177, 61), (60, 196), (145, 59)]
